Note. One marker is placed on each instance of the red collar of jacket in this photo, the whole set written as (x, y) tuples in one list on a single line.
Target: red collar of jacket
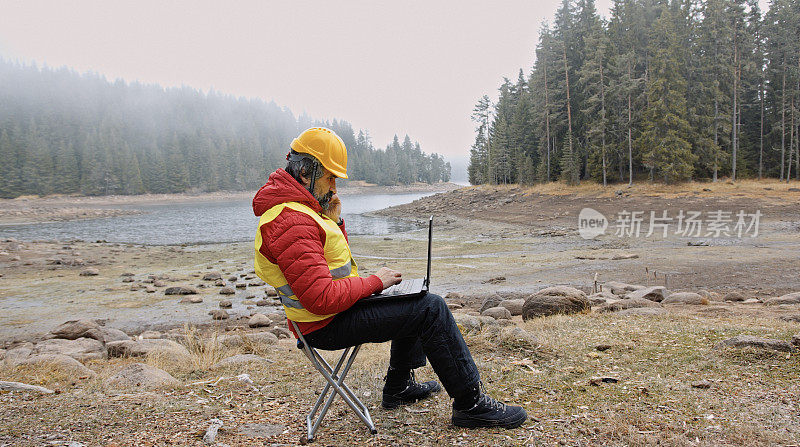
[(281, 188)]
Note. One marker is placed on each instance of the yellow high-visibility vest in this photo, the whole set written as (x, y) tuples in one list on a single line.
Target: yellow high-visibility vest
[(336, 251)]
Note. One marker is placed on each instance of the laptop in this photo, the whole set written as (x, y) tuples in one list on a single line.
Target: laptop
[(407, 288)]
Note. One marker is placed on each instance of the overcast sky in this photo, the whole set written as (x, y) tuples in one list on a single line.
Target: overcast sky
[(413, 68)]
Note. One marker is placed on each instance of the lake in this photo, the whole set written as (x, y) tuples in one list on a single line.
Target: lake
[(206, 222)]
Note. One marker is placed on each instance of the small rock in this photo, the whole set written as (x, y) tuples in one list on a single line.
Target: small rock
[(111, 334), (158, 283), (227, 291), (262, 303), (271, 292), (191, 300), (453, 296), (796, 339), (596, 381), (180, 290), (150, 289), (241, 285), (702, 384), (233, 278), (628, 303), (494, 280), (91, 271), (212, 276), (225, 304)]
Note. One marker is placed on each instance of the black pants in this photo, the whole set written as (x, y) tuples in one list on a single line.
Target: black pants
[(418, 328)]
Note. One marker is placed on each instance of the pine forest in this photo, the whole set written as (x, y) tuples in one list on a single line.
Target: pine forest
[(68, 133), (662, 91)]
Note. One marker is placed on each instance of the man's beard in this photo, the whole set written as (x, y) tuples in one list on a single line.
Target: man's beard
[(324, 201)]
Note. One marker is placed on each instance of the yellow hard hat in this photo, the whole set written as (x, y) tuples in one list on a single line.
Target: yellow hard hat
[(326, 147)]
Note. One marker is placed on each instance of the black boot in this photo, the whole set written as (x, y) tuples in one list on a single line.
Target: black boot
[(401, 389), (486, 412)]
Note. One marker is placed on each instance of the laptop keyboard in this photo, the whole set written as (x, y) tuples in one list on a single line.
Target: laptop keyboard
[(399, 289)]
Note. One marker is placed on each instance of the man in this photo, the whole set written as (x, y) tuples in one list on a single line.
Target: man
[(301, 249)]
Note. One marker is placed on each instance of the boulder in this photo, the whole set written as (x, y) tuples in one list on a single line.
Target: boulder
[(180, 290), (684, 298), (141, 376), (141, 348), (248, 339), (744, 341), (81, 349), (227, 290), (212, 276), (734, 296), (111, 334), (497, 313), (18, 354), (655, 293), (259, 320), (513, 305), (60, 362), (75, 329), (280, 332), (241, 360), (789, 298), (603, 297), (219, 314), (620, 288), (492, 300), (555, 300), (628, 303), (467, 323), (516, 336)]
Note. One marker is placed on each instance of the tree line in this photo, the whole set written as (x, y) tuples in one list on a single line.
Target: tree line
[(662, 90), (69, 133)]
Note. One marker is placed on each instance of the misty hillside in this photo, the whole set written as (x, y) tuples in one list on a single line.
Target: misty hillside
[(69, 133)]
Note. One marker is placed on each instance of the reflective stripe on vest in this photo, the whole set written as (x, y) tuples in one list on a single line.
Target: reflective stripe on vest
[(336, 252)]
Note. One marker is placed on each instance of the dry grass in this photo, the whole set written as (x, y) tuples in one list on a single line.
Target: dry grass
[(754, 398), (741, 188)]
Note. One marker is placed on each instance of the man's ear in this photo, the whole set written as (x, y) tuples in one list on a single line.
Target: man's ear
[(304, 177)]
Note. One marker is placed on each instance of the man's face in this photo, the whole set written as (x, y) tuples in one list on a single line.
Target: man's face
[(324, 188)]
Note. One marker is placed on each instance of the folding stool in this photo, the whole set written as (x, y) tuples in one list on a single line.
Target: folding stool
[(336, 381)]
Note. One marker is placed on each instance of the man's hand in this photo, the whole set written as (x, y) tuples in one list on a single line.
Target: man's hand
[(389, 277), (334, 208)]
